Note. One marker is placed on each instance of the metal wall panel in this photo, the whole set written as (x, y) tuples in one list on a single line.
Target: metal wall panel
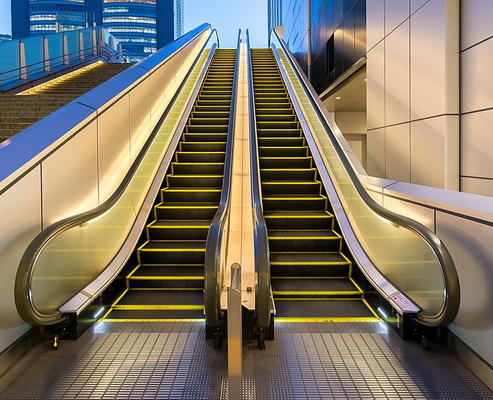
[(20, 223), (113, 147), (64, 196)]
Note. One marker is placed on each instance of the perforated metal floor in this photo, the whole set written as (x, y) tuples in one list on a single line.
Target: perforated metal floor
[(306, 361)]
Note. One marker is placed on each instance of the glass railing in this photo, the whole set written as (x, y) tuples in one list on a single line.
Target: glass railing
[(71, 254), (29, 58), (405, 253)]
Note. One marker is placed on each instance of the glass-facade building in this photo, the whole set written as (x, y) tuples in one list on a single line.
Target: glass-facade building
[(48, 16), (134, 24), (141, 26)]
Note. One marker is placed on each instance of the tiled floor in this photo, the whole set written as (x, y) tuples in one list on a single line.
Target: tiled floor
[(173, 360)]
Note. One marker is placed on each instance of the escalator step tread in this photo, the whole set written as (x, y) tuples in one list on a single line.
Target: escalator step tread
[(303, 234), (313, 258), (153, 271), (168, 245), (317, 284), (196, 223), (323, 309), (162, 297), (155, 315), (297, 214)]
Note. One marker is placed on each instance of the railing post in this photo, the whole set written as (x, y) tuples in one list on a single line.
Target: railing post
[(66, 60), (81, 46), (22, 61), (46, 55), (94, 42), (234, 334)]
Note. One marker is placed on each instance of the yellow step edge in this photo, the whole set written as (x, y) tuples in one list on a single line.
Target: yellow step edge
[(326, 319), (166, 278), (172, 250), (318, 299), (299, 216), (318, 293), (160, 307), (166, 289), (127, 320)]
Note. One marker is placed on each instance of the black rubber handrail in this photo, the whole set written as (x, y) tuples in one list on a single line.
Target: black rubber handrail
[(261, 240), (22, 292), (451, 302), (212, 266)]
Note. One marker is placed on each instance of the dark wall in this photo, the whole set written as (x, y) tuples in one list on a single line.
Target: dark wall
[(20, 19), (94, 9), (165, 26), (338, 38)]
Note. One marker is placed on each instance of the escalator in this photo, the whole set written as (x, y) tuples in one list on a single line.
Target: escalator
[(167, 282), (311, 272)]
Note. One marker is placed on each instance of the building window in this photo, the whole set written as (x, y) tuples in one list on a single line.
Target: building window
[(331, 66)]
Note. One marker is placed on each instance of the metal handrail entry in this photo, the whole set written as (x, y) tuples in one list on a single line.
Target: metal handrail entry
[(212, 264), (262, 255), (449, 271), (23, 295)]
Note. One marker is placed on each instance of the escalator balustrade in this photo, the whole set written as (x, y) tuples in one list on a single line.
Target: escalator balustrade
[(168, 281), (311, 274)]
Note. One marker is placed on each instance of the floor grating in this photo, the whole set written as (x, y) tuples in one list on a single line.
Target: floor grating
[(306, 361)]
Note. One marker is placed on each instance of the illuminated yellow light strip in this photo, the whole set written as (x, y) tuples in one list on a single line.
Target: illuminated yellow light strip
[(158, 307), (166, 278), (303, 238), (316, 299), (370, 308), (167, 289), (119, 298), (161, 250), (127, 320), (326, 319), (316, 293)]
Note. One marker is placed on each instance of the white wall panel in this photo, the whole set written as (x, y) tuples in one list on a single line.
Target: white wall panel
[(483, 187), (397, 75), (157, 93), (398, 153), (114, 146), (20, 223), (375, 88), (374, 22), (471, 246), (376, 152), (396, 12), (477, 144), (424, 215), (140, 118), (477, 79), (428, 60), (428, 152), (476, 21), (64, 196)]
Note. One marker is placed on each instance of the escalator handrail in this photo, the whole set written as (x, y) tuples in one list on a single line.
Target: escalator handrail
[(23, 294), (451, 293), (261, 241), (212, 264)]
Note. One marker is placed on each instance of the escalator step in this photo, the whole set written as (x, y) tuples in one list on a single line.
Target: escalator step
[(188, 195), (161, 299), (323, 309), (154, 315), (304, 241), (307, 187)]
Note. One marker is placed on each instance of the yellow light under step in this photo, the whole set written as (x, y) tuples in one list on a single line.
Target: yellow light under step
[(326, 319)]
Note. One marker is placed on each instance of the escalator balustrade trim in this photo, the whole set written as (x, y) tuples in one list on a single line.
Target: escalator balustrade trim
[(167, 282), (311, 273)]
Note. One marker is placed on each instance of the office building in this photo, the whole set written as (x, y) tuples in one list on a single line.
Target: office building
[(142, 26)]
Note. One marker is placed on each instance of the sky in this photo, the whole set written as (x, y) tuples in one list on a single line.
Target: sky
[(5, 16), (227, 16)]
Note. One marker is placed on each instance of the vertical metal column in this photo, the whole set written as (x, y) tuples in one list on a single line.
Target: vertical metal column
[(22, 61), (234, 334)]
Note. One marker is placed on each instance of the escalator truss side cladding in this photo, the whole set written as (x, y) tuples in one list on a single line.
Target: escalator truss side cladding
[(312, 277), (167, 282)]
